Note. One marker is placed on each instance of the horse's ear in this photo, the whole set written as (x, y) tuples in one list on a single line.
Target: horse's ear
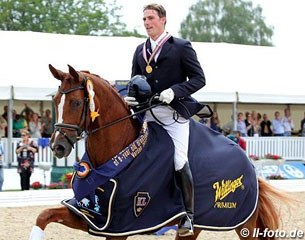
[(56, 73), (73, 72)]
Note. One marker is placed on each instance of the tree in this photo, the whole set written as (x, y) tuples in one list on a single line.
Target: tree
[(84, 17), (232, 21)]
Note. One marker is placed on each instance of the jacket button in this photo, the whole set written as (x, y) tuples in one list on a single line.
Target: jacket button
[(156, 81), (156, 67)]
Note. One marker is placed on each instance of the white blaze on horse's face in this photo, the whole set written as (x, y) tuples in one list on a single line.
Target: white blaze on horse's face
[(61, 111)]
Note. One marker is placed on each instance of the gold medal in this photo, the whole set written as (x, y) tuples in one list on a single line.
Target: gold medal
[(148, 69)]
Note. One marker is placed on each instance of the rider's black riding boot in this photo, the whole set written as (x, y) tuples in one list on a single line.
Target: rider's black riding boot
[(185, 227)]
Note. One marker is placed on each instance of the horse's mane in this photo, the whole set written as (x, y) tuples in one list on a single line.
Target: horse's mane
[(111, 86)]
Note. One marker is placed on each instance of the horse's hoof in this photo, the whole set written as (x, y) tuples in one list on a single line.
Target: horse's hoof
[(185, 232), (37, 233)]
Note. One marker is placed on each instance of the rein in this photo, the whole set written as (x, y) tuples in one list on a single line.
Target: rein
[(126, 117)]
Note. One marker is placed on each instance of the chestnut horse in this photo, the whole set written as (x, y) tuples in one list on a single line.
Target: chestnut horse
[(81, 109)]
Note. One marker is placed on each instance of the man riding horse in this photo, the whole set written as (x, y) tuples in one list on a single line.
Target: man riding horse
[(167, 62)]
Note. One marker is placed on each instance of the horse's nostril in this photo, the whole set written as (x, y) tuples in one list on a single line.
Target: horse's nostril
[(59, 148), (59, 151)]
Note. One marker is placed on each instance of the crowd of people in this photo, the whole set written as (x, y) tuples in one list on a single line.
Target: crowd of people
[(27, 119), (255, 124), (27, 124)]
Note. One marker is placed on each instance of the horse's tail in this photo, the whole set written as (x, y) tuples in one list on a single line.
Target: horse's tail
[(268, 213)]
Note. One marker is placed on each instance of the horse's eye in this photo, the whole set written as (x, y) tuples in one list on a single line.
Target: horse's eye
[(76, 103)]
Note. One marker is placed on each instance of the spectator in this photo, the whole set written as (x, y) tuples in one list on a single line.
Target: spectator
[(46, 123), (1, 165), (26, 113), (236, 137), (288, 122), (258, 124), (241, 125), (19, 123), (4, 115), (25, 151), (5, 110), (3, 126), (255, 122), (249, 124), (241, 142), (303, 126), (277, 125), (266, 126), (35, 126), (215, 122), (228, 127)]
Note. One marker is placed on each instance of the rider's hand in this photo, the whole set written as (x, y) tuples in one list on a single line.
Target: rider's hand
[(131, 101), (167, 95)]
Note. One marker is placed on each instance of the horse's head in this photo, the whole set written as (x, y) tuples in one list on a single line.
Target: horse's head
[(73, 101), (87, 104)]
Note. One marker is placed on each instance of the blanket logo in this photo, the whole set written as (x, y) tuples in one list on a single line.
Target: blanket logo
[(223, 189), (141, 201)]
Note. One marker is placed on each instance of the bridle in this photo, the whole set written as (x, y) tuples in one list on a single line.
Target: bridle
[(83, 121), (83, 132)]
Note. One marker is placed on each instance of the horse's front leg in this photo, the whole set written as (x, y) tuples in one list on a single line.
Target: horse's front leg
[(60, 215)]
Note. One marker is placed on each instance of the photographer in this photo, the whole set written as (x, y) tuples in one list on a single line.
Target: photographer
[(26, 150)]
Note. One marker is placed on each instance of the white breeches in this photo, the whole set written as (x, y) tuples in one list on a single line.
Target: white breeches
[(178, 131)]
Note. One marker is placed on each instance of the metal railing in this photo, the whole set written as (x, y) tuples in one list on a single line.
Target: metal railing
[(286, 147), (44, 154)]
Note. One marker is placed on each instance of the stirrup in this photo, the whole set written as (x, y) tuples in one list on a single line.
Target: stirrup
[(185, 227)]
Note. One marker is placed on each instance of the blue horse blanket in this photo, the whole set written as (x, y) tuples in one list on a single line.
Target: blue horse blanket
[(145, 196)]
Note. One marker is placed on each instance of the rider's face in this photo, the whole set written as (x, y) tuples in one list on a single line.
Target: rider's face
[(153, 24)]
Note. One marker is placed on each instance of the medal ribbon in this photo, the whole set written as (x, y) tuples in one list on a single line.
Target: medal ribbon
[(157, 48)]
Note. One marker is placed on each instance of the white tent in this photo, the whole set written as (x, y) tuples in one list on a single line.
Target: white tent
[(234, 73)]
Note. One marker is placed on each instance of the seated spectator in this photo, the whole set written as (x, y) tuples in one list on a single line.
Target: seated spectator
[(241, 142), (236, 137)]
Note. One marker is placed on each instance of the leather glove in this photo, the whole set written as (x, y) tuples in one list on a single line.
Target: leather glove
[(167, 95), (131, 101)]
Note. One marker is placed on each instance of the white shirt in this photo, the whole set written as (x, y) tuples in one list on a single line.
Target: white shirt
[(288, 124), (155, 43)]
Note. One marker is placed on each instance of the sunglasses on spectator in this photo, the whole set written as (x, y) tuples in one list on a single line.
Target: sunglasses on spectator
[(23, 135)]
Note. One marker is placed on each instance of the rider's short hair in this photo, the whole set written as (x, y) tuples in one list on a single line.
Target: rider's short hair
[(157, 7)]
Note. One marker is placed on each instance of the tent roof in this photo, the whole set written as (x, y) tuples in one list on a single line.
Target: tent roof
[(257, 74)]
